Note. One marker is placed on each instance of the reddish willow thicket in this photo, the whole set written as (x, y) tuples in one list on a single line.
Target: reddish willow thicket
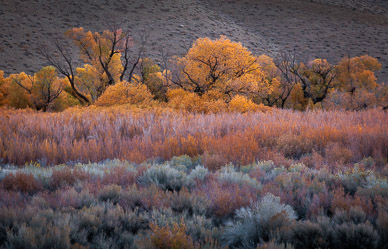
[(94, 134)]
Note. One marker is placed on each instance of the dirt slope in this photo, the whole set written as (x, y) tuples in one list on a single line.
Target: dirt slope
[(264, 26)]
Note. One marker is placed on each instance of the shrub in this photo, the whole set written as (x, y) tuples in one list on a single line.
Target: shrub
[(199, 173), (306, 235), (21, 182), (46, 230), (106, 226), (382, 226), (229, 175), (184, 201), (184, 100), (69, 198), (187, 162), (131, 198), (110, 193), (336, 154), (66, 177), (225, 199), (273, 245), (174, 237), (258, 223), (125, 93), (120, 175), (164, 177), (294, 146), (355, 215), (214, 161), (242, 104), (350, 236), (12, 199)]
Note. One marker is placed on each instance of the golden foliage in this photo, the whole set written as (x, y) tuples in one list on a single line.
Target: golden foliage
[(125, 93), (3, 89), (156, 80), (103, 66), (242, 104), (357, 72), (221, 65), (174, 237), (183, 100)]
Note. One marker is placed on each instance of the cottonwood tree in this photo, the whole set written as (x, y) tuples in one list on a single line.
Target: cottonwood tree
[(155, 79), (3, 89), (280, 78), (42, 88), (107, 58), (220, 65), (356, 83), (102, 52), (316, 78), (63, 61), (286, 65), (357, 73)]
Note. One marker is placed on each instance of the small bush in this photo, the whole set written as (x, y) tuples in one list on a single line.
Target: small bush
[(258, 223), (187, 162), (69, 198), (229, 175), (308, 235), (66, 177), (213, 161), (164, 177), (382, 227), (43, 231), (273, 245), (120, 175), (21, 182), (184, 201), (198, 174), (174, 237), (225, 199), (125, 93), (336, 154), (294, 146), (242, 104), (350, 236), (110, 193), (354, 214), (106, 226)]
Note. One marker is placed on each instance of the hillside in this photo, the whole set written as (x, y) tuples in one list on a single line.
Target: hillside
[(328, 29)]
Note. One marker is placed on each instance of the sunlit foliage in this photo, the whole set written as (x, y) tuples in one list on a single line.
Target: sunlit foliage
[(220, 65), (125, 93), (214, 76)]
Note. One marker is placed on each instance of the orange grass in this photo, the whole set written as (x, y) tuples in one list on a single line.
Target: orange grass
[(95, 134)]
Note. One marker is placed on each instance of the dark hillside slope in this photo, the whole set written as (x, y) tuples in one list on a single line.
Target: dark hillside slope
[(264, 26)]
